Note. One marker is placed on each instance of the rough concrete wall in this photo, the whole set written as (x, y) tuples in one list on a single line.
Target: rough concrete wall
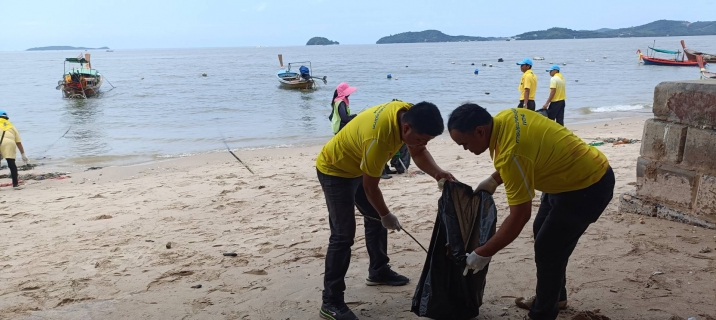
[(676, 173)]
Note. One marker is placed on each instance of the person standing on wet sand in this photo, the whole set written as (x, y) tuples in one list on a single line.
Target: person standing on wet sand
[(555, 102), (10, 140), (528, 85), (349, 168)]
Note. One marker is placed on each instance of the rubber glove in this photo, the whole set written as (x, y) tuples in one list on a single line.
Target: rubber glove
[(390, 222), (489, 185), (24, 158), (475, 262)]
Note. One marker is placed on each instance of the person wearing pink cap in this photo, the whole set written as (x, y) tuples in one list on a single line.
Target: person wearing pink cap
[(341, 113)]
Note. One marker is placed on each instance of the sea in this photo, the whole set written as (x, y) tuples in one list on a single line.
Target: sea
[(156, 104)]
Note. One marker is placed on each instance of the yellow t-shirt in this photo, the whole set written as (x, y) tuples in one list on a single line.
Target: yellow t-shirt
[(528, 81), (8, 148), (365, 144), (557, 82), (530, 152)]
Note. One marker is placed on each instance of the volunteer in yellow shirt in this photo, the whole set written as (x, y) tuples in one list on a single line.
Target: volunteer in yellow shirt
[(349, 168), (528, 85), (10, 141), (531, 152), (555, 102)]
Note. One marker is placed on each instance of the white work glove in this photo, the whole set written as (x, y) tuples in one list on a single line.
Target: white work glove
[(489, 185), (475, 262), (24, 158), (390, 222)]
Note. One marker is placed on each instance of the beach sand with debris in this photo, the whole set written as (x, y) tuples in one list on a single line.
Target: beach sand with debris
[(137, 242)]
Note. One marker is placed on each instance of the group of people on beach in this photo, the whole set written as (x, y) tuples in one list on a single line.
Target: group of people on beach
[(530, 152), (554, 107)]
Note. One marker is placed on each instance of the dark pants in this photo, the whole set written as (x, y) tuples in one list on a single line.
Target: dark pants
[(556, 111), (561, 220), (343, 195), (530, 104), (13, 171)]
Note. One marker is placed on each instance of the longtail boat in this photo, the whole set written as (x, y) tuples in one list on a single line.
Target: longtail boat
[(303, 79), (692, 54), (678, 60), (705, 74), (82, 82)]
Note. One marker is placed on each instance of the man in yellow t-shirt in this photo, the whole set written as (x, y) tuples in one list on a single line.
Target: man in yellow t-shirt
[(531, 152), (349, 168), (555, 102), (528, 85)]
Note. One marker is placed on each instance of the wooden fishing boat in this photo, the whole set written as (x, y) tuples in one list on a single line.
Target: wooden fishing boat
[(677, 61), (303, 79), (692, 54), (82, 82), (705, 74)]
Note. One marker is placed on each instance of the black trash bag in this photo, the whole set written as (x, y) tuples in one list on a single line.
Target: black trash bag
[(465, 221), (402, 155)]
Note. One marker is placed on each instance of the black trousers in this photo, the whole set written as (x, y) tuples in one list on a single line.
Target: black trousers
[(343, 195), (560, 222), (13, 171), (530, 104), (556, 111)]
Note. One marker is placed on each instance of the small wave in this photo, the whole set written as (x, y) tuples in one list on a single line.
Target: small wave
[(616, 108)]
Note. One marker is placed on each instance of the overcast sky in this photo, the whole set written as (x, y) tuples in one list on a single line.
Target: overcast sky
[(128, 24)]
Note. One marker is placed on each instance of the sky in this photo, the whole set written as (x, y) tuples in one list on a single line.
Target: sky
[(141, 24)]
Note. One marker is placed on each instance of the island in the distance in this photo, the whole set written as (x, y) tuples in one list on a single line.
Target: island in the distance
[(659, 28), (320, 41), (64, 48), (430, 36)]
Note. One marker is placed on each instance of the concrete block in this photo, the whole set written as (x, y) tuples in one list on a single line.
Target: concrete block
[(687, 102), (674, 214), (705, 204), (700, 150), (665, 183), (663, 141), (630, 203)]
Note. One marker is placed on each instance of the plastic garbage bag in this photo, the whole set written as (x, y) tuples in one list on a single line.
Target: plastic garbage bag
[(465, 221)]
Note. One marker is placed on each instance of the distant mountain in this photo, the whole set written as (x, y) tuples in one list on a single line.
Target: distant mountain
[(429, 36), (660, 28), (320, 41), (63, 48)]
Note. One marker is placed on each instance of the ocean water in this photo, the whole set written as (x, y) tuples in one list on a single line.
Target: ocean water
[(162, 107)]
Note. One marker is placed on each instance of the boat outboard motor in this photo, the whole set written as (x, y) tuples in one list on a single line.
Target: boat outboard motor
[(305, 73)]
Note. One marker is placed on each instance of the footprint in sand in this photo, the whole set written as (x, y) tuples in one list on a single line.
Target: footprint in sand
[(257, 272)]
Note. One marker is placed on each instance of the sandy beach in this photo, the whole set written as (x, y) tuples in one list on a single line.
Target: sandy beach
[(136, 242)]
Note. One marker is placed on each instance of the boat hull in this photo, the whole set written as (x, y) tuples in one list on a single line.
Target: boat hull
[(81, 89), (708, 58), (293, 80), (692, 54), (666, 62)]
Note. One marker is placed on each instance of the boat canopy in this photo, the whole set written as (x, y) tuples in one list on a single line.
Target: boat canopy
[(664, 51), (85, 71)]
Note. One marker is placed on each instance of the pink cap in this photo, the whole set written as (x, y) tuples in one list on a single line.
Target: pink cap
[(344, 89)]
